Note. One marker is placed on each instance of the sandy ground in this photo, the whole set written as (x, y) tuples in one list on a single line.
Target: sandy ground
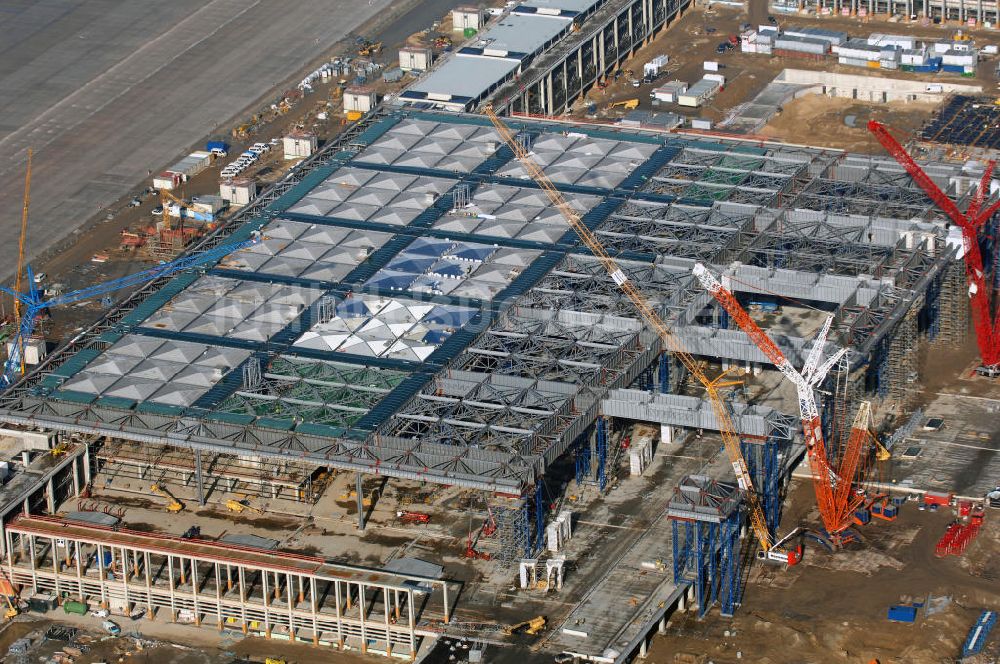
[(816, 120), (832, 607), (693, 40)]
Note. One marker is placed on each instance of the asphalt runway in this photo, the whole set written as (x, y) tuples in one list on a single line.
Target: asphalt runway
[(104, 91)]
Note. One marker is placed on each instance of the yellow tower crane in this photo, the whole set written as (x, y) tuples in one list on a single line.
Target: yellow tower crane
[(22, 246), (769, 549)]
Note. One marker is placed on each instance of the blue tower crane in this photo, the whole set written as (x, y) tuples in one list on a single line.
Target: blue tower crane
[(33, 302)]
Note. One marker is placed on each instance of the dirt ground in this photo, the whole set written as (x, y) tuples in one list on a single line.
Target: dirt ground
[(693, 40), (832, 606), (800, 119)]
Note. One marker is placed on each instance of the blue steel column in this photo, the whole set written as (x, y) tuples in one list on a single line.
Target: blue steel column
[(539, 514), (602, 452), (729, 555), (664, 372), (583, 458), (772, 484)]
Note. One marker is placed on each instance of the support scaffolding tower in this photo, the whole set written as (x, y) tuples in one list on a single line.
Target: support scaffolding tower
[(705, 518)]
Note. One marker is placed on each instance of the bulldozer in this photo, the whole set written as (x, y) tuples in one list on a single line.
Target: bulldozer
[(628, 104), (173, 505), (529, 627)]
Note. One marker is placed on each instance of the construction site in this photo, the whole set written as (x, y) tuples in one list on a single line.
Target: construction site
[(499, 372)]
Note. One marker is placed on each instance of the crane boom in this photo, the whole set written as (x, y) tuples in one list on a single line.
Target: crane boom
[(726, 427), (22, 245), (826, 480), (34, 304), (986, 325)]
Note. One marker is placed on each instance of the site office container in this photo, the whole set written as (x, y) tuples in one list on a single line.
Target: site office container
[(781, 53), (802, 44)]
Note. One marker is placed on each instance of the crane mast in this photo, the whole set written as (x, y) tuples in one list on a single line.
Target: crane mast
[(652, 318), (832, 485)]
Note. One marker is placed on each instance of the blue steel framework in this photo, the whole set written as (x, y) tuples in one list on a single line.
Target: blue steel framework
[(37, 401), (707, 556)]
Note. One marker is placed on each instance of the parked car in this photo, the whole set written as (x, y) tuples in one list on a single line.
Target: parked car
[(40, 277), (158, 210), (111, 627)]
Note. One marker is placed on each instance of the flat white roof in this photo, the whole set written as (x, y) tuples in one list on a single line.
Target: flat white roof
[(520, 33), (573, 6), (464, 77)]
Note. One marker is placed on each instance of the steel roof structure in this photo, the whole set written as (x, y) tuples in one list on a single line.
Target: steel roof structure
[(418, 310)]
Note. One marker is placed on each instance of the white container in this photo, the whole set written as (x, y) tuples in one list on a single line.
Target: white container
[(299, 144), (710, 65), (415, 59), (698, 123), (990, 49), (716, 77), (359, 99)]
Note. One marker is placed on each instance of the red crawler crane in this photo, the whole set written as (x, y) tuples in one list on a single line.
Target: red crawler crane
[(987, 325), (834, 483)]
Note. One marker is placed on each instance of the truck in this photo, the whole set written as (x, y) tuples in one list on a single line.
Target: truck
[(217, 148)]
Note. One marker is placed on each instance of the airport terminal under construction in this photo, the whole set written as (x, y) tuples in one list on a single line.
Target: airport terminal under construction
[(416, 312)]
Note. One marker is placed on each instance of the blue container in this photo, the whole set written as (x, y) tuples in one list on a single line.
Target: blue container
[(862, 516), (903, 614), (954, 69), (108, 559)]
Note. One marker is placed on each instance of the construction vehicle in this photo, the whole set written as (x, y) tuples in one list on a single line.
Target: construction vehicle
[(833, 483), (369, 48), (413, 517), (34, 303), (529, 627), (727, 429), (239, 506), (980, 292), (9, 591), (173, 505), (628, 104), (60, 449)]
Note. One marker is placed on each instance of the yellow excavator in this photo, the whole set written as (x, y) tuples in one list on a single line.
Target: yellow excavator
[(12, 609), (529, 627), (242, 504), (173, 505), (628, 104)]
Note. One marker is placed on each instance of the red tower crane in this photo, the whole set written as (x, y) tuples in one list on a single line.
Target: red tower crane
[(980, 294)]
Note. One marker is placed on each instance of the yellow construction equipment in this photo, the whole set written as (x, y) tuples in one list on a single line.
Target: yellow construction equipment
[(173, 505), (8, 591), (529, 627), (239, 506), (60, 449), (712, 386), (628, 104)]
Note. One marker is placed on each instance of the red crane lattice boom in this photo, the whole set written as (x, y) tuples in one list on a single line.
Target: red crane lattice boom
[(987, 326)]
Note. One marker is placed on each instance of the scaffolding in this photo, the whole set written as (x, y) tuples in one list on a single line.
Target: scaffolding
[(234, 588), (705, 518)]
